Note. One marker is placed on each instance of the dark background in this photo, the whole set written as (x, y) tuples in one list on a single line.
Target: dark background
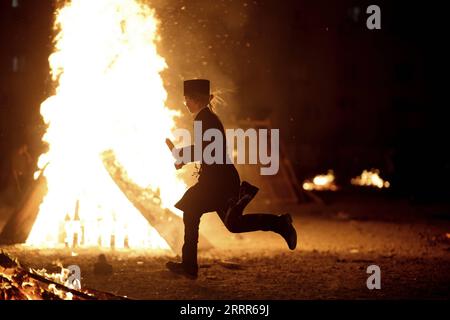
[(345, 98)]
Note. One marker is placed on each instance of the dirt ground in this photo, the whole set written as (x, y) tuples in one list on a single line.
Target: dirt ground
[(337, 242)]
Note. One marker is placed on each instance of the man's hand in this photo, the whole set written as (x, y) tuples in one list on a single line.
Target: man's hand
[(170, 144)]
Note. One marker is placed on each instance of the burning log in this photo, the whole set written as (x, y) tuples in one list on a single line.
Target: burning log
[(16, 283), (168, 224)]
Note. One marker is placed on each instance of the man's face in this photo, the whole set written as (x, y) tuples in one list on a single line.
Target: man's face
[(191, 104)]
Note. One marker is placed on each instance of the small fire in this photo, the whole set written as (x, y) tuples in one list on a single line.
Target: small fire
[(21, 283), (109, 96), (61, 278), (321, 182), (371, 179)]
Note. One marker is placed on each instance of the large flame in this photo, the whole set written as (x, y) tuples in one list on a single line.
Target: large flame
[(109, 96)]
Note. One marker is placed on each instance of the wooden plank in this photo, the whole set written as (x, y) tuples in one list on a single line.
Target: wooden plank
[(169, 225), (21, 221)]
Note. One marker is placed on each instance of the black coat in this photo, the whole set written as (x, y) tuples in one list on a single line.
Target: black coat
[(217, 182)]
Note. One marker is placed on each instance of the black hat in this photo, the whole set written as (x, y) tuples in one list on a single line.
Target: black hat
[(196, 87)]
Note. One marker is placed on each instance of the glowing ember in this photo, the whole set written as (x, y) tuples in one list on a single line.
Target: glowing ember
[(321, 182), (20, 283), (109, 96), (371, 179)]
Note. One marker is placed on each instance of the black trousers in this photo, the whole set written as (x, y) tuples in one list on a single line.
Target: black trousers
[(234, 220)]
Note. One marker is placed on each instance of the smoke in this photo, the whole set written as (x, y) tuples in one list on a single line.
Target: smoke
[(202, 39)]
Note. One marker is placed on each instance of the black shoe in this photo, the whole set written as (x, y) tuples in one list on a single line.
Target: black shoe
[(179, 268), (288, 231)]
